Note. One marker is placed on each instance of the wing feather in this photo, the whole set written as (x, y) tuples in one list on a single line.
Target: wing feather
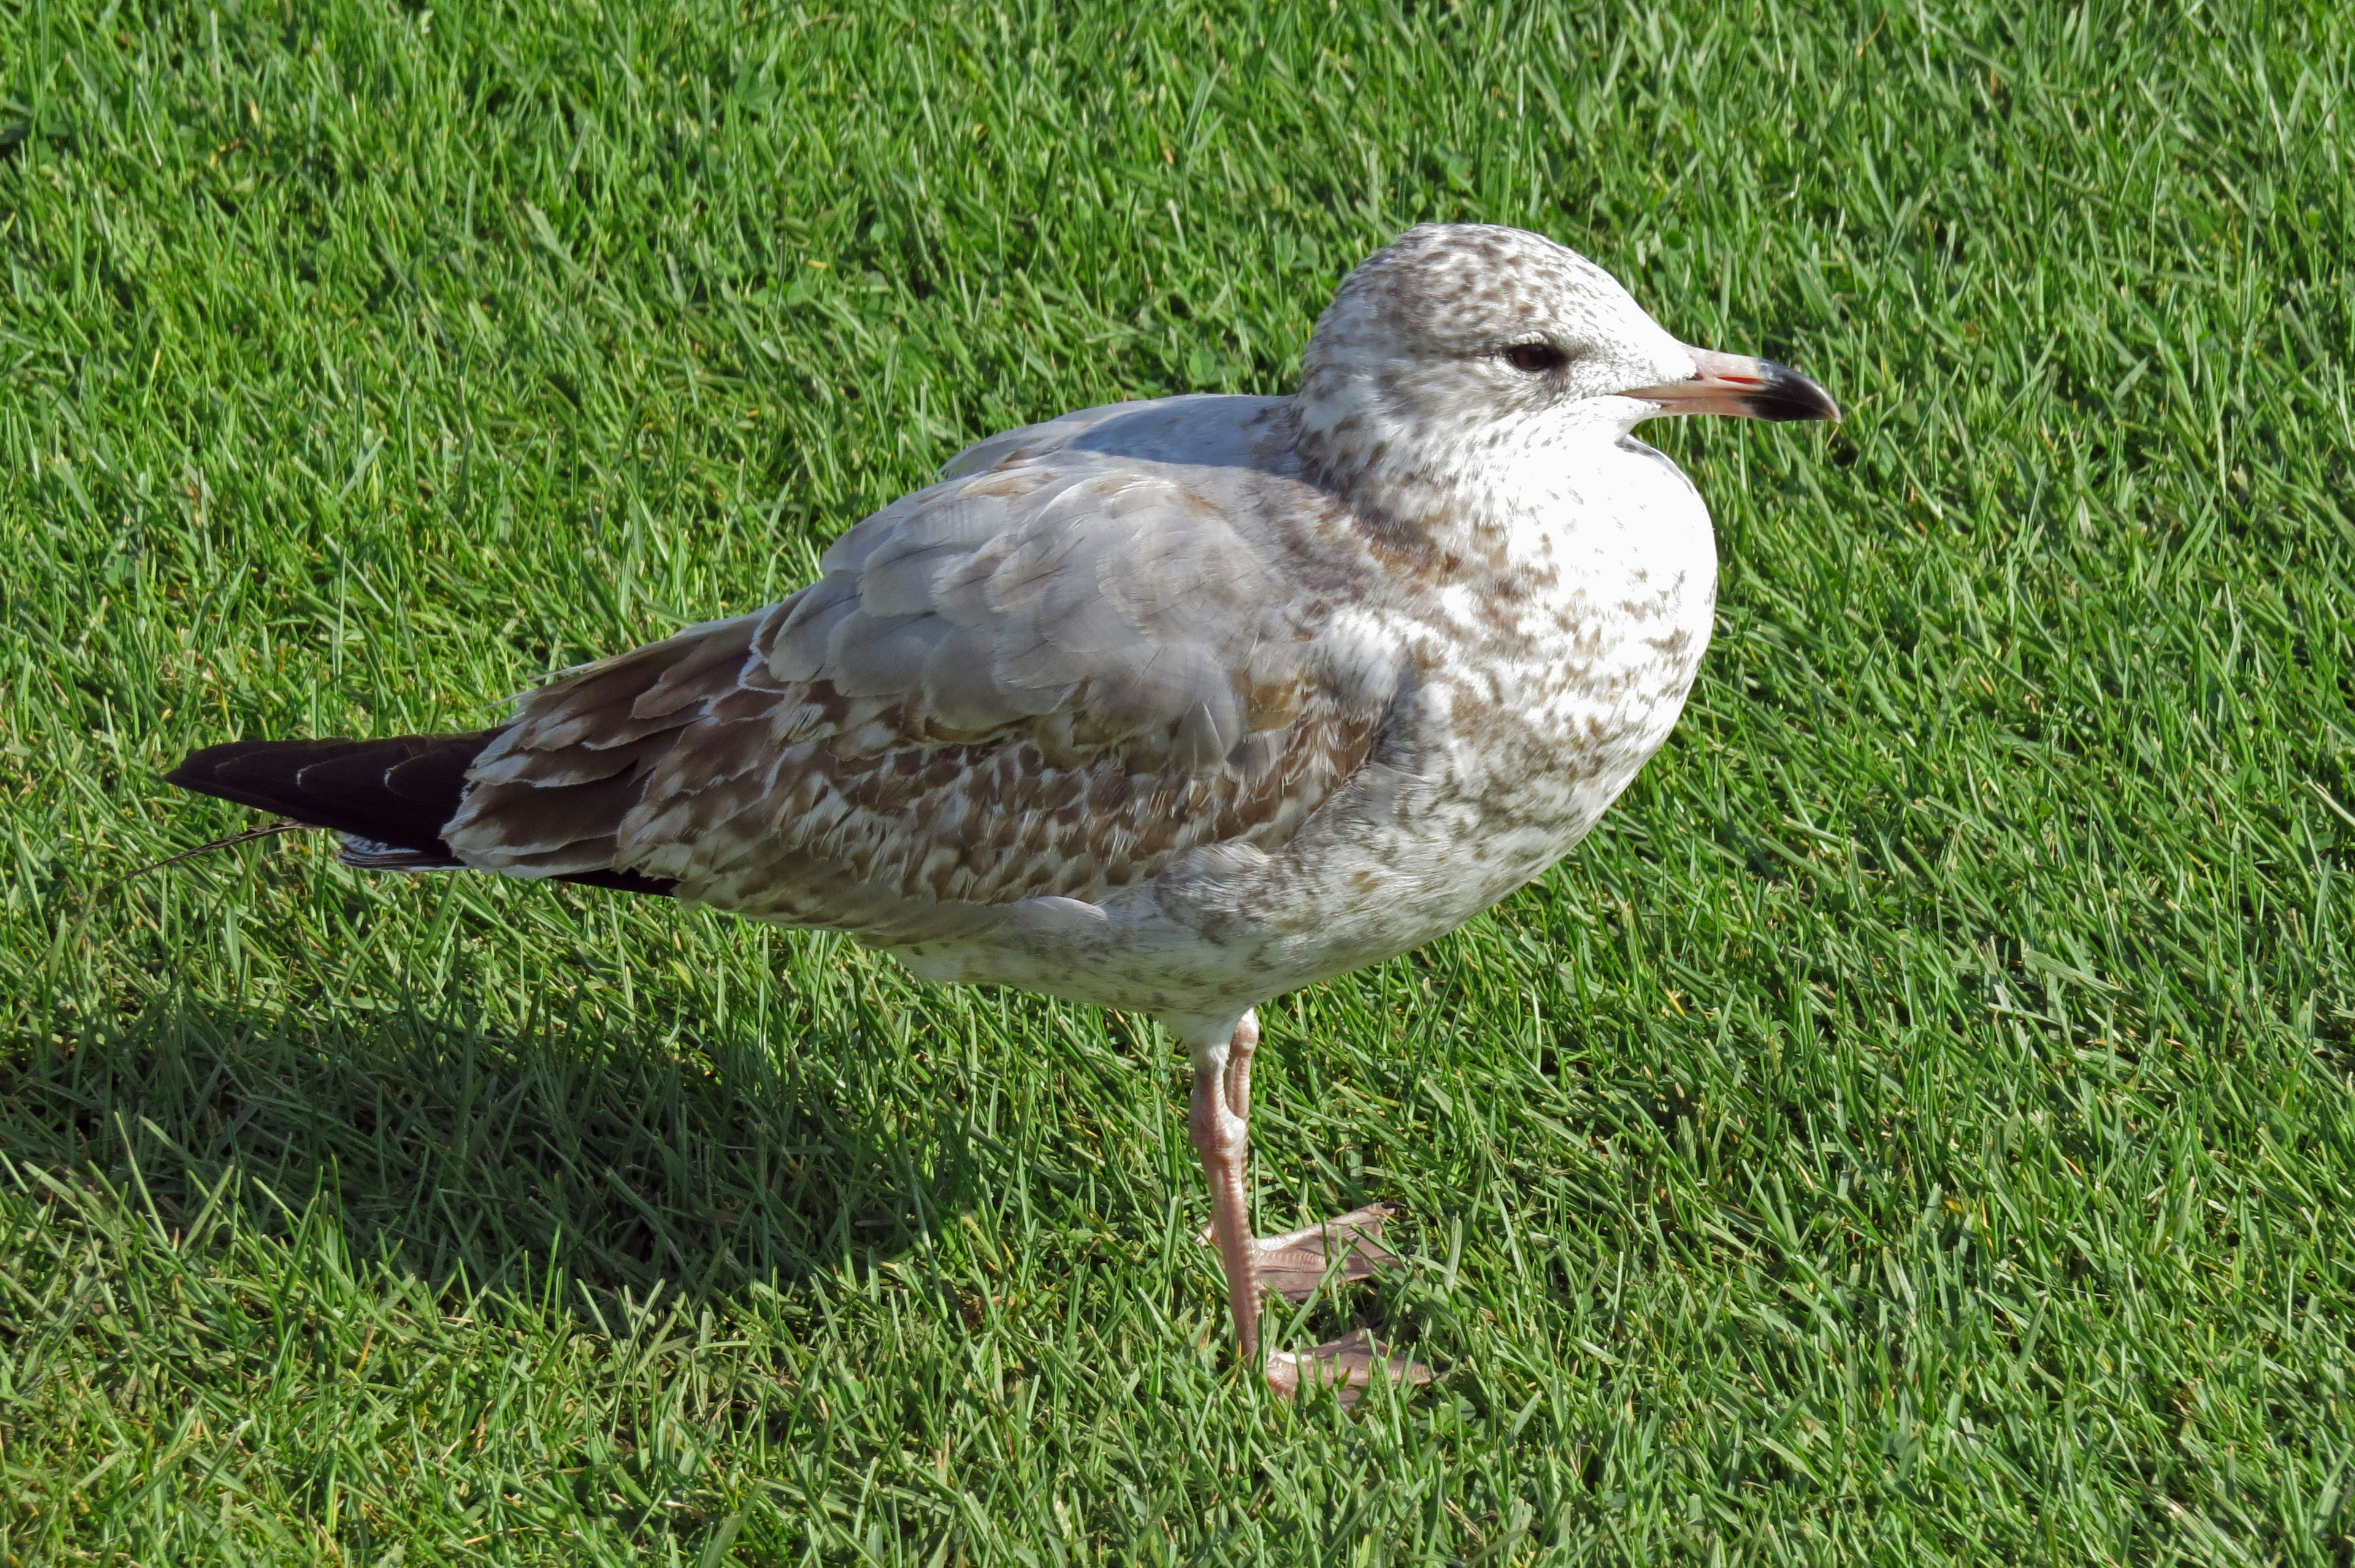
[(1053, 673)]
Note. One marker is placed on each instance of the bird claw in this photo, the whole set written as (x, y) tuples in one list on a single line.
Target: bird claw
[(1347, 1366), (1348, 1248), (1295, 1263)]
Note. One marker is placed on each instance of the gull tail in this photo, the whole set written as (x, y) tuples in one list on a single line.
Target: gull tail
[(387, 799)]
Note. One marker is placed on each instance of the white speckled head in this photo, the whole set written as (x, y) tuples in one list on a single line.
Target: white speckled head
[(1466, 333), (1461, 342)]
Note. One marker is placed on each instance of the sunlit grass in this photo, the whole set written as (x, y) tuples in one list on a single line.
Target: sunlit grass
[(1917, 1127)]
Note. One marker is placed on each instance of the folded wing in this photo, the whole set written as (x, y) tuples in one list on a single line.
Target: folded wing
[(1055, 675)]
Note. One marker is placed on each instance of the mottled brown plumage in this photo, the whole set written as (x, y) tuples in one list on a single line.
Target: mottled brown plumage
[(1051, 676)]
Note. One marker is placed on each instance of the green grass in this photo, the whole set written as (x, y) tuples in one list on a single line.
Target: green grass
[(1919, 1127)]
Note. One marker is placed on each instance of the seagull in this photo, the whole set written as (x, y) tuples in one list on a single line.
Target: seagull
[(1172, 706)]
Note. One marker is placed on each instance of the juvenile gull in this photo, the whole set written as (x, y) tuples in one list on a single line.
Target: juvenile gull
[(1171, 706)]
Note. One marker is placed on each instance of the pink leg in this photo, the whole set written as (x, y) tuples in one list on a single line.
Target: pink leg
[(1223, 1138), (1240, 1051), (1348, 1248)]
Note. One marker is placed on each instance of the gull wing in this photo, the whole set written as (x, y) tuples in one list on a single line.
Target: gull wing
[(1053, 674)]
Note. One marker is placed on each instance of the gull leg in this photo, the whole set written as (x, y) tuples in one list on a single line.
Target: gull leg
[(1222, 1140), (1293, 1263), (1241, 1048)]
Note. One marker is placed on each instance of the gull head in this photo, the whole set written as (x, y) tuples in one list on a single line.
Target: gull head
[(1463, 338)]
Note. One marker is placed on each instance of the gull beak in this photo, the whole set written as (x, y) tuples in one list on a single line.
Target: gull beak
[(1748, 389)]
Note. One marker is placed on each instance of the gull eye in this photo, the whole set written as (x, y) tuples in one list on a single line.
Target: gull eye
[(1535, 359)]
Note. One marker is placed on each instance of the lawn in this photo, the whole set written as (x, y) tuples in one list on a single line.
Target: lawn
[(1918, 1126)]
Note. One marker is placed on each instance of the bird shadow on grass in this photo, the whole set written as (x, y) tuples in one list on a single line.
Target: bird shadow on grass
[(473, 1160)]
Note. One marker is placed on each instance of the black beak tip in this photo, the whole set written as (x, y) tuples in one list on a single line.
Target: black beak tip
[(1787, 395)]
